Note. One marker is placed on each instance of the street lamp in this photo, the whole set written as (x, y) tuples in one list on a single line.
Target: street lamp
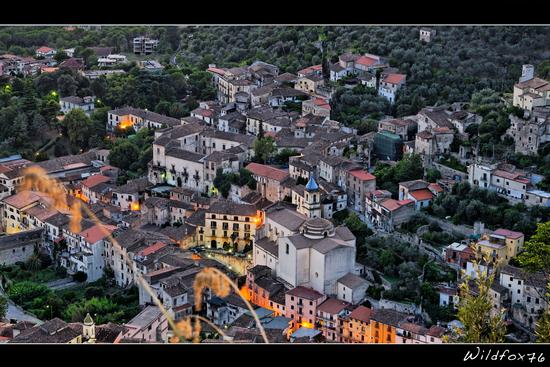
[(51, 311)]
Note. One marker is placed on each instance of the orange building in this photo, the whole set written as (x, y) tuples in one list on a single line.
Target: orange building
[(356, 327), (383, 324), (262, 288)]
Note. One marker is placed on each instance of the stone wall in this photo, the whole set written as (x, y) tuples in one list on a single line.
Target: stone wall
[(450, 173)]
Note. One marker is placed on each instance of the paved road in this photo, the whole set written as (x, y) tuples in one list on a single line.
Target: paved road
[(17, 313), (61, 283)]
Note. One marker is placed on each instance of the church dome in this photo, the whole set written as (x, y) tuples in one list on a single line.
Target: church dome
[(311, 184), (317, 228)]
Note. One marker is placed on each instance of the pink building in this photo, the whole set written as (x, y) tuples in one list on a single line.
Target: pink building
[(301, 306)]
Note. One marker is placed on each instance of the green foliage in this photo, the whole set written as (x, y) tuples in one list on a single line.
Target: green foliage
[(542, 329), (80, 276), (467, 205), (23, 293), (453, 163), (80, 128), (3, 307), (432, 175), (264, 149), (223, 181), (475, 313), (388, 177), (536, 251), (284, 155), (124, 154)]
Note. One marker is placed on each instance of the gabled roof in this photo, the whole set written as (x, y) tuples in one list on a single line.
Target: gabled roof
[(95, 180), (394, 78), (332, 306), (362, 313), (267, 171), (422, 194), (508, 233), (97, 232), (362, 175), (304, 292)]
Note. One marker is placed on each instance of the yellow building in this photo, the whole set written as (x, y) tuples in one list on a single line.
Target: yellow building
[(501, 245), (15, 207), (229, 223), (356, 328), (383, 326)]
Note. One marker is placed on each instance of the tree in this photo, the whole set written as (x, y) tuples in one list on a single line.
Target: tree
[(475, 312), (542, 330), (432, 175), (80, 276), (536, 252), (3, 307), (67, 85), (79, 128), (34, 263), (264, 148), (20, 130), (25, 292), (123, 154)]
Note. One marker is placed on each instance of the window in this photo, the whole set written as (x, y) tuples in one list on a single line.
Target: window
[(287, 251)]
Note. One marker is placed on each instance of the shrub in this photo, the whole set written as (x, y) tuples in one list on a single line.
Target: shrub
[(80, 277)]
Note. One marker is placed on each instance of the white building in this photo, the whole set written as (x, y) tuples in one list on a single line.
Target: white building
[(317, 257), (86, 251), (70, 103)]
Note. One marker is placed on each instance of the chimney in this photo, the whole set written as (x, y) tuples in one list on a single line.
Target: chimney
[(527, 73)]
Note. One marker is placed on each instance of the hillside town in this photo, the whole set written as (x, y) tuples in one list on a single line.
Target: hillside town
[(332, 234)]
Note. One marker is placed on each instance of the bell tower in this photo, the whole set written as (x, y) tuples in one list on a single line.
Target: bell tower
[(88, 329), (312, 200)]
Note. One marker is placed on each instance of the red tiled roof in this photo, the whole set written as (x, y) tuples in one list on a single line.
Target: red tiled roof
[(392, 204), (422, 194), (203, 112), (303, 292), (436, 331), (394, 78), (24, 198), (508, 233), (44, 49), (152, 249), (435, 187), (311, 69), (362, 175), (217, 71), (94, 180), (332, 306), (366, 61), (511, 176), (321, 102), (362, 313), (96, 233), (267, 171)]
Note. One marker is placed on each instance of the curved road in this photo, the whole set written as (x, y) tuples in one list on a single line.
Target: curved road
[(17, 313)]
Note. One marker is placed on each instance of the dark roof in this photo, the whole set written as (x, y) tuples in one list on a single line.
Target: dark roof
[(20, 239), (74, 100), (388, 317), (232, 208), (271, 285), (304, 292), (268, 245), (108, 333), (52, 331), (534, 279)]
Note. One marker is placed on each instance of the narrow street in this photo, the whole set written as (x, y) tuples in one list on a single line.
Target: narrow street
[(17, 313)]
